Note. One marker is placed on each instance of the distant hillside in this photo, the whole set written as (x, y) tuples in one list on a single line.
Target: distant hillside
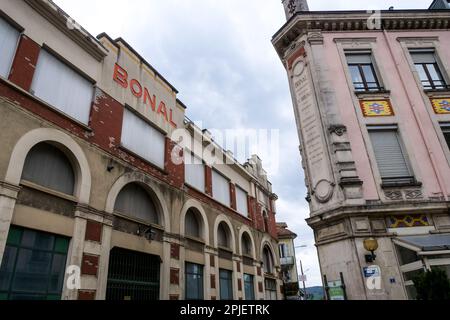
[(315, 293)]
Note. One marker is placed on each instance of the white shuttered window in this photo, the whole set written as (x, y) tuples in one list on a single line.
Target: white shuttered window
[(8, 43), (390, 157), (194, 172), (142, 139), (62, 87), (221, 188), (241, 201)]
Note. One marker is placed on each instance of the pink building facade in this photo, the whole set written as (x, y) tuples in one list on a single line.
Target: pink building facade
[(371, 98)]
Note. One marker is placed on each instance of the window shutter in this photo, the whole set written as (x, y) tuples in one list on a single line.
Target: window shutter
[(389, 154), (62, 87), (359, 58), (144, 140), (8, 43), (423, 57)]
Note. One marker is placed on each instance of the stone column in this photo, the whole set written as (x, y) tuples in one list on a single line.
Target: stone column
[(165, 269), (8, 197), (89, 251)]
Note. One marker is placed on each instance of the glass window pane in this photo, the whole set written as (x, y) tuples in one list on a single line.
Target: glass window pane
[(7, 268), (422, 73), (37, 240), (62, 245), (14, 236), (226, 286), (434, 71), (32, 271), (369, 73), (194, 281), (356, 75), (57, 273), (249, 287)]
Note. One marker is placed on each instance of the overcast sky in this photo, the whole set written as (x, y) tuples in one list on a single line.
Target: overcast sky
[(219, 56)]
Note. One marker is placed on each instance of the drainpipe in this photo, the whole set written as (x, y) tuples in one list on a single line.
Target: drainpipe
[(417, 118)]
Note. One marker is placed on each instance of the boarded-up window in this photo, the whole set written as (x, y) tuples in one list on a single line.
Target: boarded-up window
[(242, 201), (62, 87), (135, 202), (194, 172), (192, 224), (223, 238), (221, 188), (8, 43), (48, 166), (142, 139)]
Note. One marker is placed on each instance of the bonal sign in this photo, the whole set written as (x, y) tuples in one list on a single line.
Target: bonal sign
[(121, 77)]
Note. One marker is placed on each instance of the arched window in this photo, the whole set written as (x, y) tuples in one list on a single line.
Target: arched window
[(135, 202), (246, 244), (48, 166), (223, 235), (267, 260), (192, 224)]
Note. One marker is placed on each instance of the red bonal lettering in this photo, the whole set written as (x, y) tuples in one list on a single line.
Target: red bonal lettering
[(150, 99), (163, 110), (134, 84), (120, 76), (172, 123)]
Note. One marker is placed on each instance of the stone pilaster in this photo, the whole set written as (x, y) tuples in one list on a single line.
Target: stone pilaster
[(8, 197)]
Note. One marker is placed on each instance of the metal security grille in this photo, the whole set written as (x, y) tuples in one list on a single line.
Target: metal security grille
[(133, 276)]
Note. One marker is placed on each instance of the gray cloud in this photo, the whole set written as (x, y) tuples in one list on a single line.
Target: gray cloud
[(218, 54)]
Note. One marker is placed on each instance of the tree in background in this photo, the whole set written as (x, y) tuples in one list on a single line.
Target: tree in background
[(432, 285)]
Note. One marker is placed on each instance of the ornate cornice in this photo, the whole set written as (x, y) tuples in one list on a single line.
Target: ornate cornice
[(337, 21)]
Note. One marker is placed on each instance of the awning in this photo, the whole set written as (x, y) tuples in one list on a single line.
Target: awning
[(432, 242)]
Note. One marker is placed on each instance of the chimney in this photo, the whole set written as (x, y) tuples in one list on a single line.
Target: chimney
[(291, 7)]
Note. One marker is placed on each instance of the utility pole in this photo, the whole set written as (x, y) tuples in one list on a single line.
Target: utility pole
[(303, 280)]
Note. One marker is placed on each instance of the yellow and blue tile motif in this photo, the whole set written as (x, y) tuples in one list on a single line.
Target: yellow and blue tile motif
[(408, 221), (379, 108), (441, 106)]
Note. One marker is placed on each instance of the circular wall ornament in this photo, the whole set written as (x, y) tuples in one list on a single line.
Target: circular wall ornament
[(299, 68), (323, 191)]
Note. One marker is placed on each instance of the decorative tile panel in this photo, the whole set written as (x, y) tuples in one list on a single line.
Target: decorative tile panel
[(408, 221), (441, 105), (377, 108)]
